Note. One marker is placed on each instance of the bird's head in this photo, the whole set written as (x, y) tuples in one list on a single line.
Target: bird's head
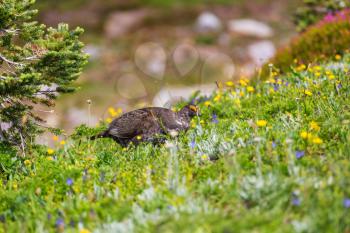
[(190, 110)]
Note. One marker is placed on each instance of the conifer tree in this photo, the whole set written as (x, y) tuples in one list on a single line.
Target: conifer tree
[(37, 63)]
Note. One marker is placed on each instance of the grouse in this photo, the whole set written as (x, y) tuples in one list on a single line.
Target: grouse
[(148, 125)]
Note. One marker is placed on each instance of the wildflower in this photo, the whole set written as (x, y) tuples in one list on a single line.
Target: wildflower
[(338, 57), (204, 157), (215, 119), (217, 98), (50, 151), (139, 137), (346, 203), (63, 142), (241, 94), (317, 140), (60, 223), (193, 144), (314, 126), (274, 145), (230, 84), (27, 162), (243, 82), (109, 120), (50, 158), (261, 123), (331, 76), (83, 230), (305, 135), (69, 182), (207, 103), (55, 138), (250, 89), (308, 93), (296, 201), (299, 154), (275, 87)]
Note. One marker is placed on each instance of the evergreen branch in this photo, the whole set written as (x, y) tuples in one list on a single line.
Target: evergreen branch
[(2, 57)]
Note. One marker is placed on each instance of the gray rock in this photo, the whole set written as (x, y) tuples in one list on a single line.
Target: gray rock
[(208, 22), (250, 27), (260, 52), (120, 23)]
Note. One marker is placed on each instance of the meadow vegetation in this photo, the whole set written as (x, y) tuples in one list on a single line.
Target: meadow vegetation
[(267, 156)]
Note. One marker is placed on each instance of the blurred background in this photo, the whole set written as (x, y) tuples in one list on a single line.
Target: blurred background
[(155, 52)]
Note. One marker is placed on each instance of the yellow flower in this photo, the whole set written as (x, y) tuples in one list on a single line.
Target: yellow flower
[(217, 98), (307, 92), (83, 230), (337, 57), (207, 103), (205, 157), (314, 126), (14, 185), (27, 162), (50, 151), (305, 135), (237, 102), (261, 123), (139, 137), (230, 84), (243, 82), (55, 138), (331, 76), (317, 74), (63, 142), (241, 94), (250, 89), (317, 140), (109, 120)]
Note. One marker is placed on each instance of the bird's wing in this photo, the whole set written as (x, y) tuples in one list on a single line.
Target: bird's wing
[(132, 124)]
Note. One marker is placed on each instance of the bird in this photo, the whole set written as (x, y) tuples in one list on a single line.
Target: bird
[(149, 125)]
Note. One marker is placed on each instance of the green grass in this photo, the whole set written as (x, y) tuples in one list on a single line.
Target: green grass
[(255, 182)]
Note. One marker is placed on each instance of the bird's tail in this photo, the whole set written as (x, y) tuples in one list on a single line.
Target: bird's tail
[(100, 135)]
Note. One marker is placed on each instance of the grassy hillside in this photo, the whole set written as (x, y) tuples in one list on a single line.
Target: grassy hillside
[(264, 157)]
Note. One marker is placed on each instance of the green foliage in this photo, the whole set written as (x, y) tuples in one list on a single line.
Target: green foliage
[(314, 10), (268, 178), (36, 64), (325, 40)]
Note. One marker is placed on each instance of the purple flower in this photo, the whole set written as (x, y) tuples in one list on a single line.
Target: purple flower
[(276, 87), (60, 222), (287, 84), (296, 201), (329, 17), (274, 145), (69, 182), (215, 119), (299, 154), (193, 144), (339, 86), (346, 203)]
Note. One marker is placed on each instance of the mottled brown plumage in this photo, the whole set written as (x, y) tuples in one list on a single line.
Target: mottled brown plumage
[(148, 125)]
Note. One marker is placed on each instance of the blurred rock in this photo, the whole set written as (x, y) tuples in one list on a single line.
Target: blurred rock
[(261, 52), (208, 22), (250, 27), (120, 23), (170, 95)]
